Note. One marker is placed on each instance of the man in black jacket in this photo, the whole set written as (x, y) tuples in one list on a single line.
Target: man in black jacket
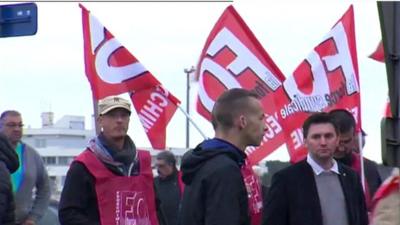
[(8, 164), (318, 190), (168, 186), (214, 189)]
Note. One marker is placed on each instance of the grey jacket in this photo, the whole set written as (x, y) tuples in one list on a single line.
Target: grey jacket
[(29, 203)]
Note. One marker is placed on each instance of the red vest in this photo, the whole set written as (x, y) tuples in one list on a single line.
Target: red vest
[(254, 194), (123, 200)]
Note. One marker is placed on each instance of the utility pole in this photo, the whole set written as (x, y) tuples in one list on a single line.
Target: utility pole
[(188, 72)]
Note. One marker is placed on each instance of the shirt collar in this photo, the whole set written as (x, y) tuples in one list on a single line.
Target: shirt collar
[(318, 169)]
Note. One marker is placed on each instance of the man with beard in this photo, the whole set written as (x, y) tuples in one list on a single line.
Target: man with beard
[(345, 153)]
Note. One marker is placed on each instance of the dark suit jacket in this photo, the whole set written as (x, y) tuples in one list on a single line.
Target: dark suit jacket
[(293, 197)]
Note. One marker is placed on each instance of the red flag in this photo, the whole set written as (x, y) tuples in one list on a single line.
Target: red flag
[(155, 108), (389, 186), (327, 79), (110, 68), (388, 110), (232, 57), (379, 54)]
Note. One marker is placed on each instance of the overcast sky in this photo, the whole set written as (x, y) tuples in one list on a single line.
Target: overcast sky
[(45, 72)]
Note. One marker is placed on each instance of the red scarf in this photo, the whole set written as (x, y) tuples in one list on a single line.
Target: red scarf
[(254, 194)]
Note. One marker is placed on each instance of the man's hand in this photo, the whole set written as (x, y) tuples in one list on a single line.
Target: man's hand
[(29, 222)]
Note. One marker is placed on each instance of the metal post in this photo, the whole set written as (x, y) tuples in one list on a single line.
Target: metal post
[(389, 17), (96, 114), (188, 72)]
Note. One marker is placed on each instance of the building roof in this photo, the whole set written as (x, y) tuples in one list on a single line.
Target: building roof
[(63, 151), (57, 131)]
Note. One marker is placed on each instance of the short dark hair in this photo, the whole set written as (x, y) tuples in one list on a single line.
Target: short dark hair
[(228, 105), (9, 113), (344, 119), (318, 118), (167, 156)]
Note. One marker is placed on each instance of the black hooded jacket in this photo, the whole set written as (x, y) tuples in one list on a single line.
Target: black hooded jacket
[(8, 164), (214, 189)]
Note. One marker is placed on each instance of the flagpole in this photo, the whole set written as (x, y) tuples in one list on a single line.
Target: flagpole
[(188, 72), (96, 114), (360, 147), (194, 124)]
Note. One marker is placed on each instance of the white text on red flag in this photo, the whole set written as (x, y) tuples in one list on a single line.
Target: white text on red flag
[(327, 79), (232, 57), (110, 68)]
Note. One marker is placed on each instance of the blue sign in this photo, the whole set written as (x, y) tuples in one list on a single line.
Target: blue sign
[(18, 20)]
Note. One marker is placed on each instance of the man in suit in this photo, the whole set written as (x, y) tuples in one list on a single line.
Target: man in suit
[(318, 190)]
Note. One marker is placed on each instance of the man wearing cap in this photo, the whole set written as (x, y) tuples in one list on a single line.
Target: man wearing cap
[(111, 182)]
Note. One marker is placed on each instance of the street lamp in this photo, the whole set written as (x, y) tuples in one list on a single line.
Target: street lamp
[(188, 72)]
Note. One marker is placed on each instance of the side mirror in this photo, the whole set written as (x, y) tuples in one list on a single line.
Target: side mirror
[(18, 20)]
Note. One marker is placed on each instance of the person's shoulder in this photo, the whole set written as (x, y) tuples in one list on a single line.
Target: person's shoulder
[(30, 149), (78, 168), (220, 166), (370, 163), (294, 168), (223, 160), (157, 180), (293, 173)]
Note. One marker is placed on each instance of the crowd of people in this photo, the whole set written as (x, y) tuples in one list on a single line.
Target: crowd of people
[(111, 181)]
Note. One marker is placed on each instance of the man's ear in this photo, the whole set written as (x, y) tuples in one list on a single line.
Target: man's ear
[(338, 140), (242, 121), (99, 120), (305, 144)]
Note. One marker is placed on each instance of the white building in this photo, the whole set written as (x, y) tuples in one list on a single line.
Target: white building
[(59, 143)]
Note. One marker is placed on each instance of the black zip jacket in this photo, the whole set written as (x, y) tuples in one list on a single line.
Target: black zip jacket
[(214, 189)]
